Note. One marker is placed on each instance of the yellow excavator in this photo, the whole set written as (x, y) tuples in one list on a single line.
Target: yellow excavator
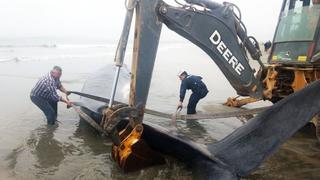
[(294, 60), (217, 29)]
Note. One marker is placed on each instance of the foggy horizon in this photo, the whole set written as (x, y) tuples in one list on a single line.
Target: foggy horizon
[(102, 20)]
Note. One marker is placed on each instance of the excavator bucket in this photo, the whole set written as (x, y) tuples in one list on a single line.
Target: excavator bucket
[(133, 153)]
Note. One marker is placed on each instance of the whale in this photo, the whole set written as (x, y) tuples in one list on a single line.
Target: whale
[(238, 154)]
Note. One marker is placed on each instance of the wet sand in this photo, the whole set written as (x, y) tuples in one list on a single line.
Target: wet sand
[(73, 150)]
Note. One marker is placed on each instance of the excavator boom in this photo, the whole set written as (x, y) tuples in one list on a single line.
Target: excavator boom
[(216, 29)]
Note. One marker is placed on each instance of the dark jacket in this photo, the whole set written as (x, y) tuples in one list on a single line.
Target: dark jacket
[(195, 84)]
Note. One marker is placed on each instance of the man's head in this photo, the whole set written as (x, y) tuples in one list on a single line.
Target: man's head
[(182, 75), (56, 72)]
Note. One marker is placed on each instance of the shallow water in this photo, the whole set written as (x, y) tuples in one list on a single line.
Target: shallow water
[(73, 150)]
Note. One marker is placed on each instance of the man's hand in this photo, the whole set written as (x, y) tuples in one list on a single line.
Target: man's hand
[(69, 103), (62, 89), (180, 105), (67, 94)]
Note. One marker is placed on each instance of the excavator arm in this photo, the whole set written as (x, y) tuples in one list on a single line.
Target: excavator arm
[(218, 31), (213, 27)]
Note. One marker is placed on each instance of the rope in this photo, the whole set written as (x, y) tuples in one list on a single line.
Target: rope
[(241, 112)]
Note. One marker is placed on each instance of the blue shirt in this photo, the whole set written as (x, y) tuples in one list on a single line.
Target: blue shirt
[(47, 87), (195, 84)]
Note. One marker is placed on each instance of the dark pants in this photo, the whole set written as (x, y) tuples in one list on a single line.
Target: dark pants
[(49, 108), (193, 101)]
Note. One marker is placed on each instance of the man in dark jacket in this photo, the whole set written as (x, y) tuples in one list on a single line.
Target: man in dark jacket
[(198, 88)]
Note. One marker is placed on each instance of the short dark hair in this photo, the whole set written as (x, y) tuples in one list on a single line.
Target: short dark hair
[(58, 68), (184, 73)]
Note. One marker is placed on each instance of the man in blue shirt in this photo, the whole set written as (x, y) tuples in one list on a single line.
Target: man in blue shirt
[(198, 88), (45, 96)]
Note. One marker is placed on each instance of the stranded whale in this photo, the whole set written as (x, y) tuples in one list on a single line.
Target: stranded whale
[(238, 154)]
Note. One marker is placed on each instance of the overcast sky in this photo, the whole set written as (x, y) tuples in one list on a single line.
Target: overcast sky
[(104, 18)]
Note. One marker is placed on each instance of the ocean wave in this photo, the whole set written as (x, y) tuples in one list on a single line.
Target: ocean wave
[(70, 51), (29, 46), (58, 57), (15, 59), (6, 51), (163, 45), (83, 46), (63, 46)]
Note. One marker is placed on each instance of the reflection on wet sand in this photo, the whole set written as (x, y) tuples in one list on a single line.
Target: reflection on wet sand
[(46, 149), (45, 155), (198, 132), (12, 158), (92, 139)]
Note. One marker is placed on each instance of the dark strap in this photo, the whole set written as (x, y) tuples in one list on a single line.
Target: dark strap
[(241, 112)]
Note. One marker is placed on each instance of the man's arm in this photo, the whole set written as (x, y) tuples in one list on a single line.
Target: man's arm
[(62, 89), (56, 97), (53, 93), (183, 89), (66, 100)]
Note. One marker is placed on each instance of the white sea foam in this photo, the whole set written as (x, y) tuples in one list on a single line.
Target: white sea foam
[(57, 57), (72, 46), (47, 52), (15, 59)]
